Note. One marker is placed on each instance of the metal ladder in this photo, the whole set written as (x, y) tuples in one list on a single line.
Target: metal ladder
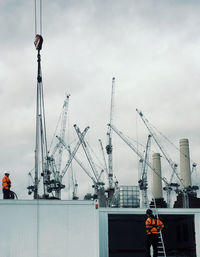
[(161, 245)]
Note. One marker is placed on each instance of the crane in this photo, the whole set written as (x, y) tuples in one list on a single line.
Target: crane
[(41, 160), (68, 148), (95, 182), (73, 153), (55, 183), (57, 159), (127, 141), (167, 157), (99, 185), (87, 152), (143, 185), (109, 147), (169, 187)]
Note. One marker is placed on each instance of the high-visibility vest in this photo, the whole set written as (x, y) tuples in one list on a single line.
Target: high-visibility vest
[(6, 183), (153, 225)]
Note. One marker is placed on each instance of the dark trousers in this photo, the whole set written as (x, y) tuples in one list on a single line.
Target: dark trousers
[(6, 193), (152, 240)]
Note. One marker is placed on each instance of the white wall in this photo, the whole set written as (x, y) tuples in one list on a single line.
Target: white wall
[(49, 228)]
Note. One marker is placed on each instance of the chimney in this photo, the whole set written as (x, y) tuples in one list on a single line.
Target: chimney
[(185, 170), (157, 181)]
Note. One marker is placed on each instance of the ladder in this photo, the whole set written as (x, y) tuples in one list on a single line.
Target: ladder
[(161, 246)]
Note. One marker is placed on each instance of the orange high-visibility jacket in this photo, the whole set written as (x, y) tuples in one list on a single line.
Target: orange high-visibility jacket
[(6, 183), (153, 225)]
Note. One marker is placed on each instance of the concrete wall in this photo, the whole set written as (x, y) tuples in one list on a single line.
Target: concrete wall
[(49, 228)]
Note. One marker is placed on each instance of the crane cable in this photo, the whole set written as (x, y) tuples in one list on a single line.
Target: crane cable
[(38, 17)]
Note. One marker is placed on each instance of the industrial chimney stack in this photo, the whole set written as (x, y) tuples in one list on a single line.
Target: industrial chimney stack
[(187, 198), (157, 182), (185, 169)]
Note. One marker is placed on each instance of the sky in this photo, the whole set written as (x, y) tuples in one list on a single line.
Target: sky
[(152, 48)]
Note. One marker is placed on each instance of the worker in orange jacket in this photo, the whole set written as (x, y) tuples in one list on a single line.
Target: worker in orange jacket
[(6, 185), (153, 228)]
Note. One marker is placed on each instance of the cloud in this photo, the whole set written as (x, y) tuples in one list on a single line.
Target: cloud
[(152, 48)]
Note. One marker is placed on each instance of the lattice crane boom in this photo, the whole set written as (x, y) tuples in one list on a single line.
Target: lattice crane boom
[(77, 160), (74, 152), (87, 152), (62, 130)]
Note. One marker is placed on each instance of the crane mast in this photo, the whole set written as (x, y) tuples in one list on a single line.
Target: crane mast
[(109, 147), (74, 181), (143, 185)]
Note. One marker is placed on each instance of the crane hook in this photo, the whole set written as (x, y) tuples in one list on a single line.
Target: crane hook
[(38, 42)]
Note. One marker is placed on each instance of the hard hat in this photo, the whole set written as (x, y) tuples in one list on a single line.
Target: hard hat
[(149, 212)]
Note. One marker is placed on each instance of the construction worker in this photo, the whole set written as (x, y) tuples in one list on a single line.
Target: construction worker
[(153, 227), (6, 185)]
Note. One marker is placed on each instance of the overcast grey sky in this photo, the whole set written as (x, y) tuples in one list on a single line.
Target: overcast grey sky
[(151, 47)]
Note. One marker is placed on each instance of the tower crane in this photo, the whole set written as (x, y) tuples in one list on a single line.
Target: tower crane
[(143, 185), (169, 187), (109, 147), (42, 162), (57, 159), (95, 182), (167, 157), (115, 197), (127, 141), (55, 184), (99, 185)]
